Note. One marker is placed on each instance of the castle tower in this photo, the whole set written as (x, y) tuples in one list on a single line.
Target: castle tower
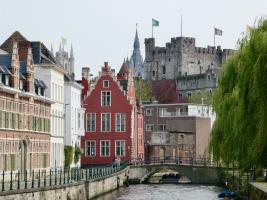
[(71, 63), (15, 66), (136, 61)]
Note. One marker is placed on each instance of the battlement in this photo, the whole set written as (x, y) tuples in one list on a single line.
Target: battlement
[(185, 44)]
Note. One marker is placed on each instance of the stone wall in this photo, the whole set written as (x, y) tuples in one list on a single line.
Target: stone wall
[(101, 186), (258, 191), (75, 191)]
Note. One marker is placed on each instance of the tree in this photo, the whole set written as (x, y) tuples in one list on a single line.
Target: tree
[(164, 91), (68, 153), (77, 154), (239, 132), (143, 90), (198, 96)]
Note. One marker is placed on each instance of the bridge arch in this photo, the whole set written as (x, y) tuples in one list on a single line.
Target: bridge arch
[(197, 174)]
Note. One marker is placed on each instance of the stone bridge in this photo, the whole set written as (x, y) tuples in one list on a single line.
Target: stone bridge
[(197, 174)]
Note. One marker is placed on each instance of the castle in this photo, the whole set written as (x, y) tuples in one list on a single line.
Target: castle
[(193, 68)]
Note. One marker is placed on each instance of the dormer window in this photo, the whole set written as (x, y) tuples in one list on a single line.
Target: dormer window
[(5, 80), (42, 92), (105, 84), (21, 84)]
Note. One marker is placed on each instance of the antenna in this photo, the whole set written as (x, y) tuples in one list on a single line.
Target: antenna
[(181, 25)]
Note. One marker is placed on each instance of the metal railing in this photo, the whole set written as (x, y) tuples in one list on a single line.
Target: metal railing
[(15, 180), (199, 161)]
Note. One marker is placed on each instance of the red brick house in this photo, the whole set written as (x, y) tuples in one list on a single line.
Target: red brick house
[(111, 120)]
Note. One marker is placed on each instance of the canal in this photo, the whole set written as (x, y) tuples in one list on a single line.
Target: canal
[(164, 192)]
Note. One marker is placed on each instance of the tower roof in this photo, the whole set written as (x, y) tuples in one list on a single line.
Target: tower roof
[(136, 40), (124, 68)]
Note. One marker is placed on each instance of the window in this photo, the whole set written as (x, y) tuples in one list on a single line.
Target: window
[(149, 127), (120, 122), (149, 112), (106, 98), (104, 148), (21, 84), (90, 148), (189, 94), (153, 73), (120, 148), (105, 84), (162, 127), (79, 120), (163, 69), (105, 122), (90, 122)]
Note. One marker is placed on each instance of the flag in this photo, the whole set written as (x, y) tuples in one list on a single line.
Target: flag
[(155, 22), (63, 41), (217, 31)]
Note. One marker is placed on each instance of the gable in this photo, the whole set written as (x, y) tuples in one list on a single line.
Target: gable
[(15, 37), (118, 96)]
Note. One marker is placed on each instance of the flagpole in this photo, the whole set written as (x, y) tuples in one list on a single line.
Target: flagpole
[(152, 29), (214, 36), (181, 25)]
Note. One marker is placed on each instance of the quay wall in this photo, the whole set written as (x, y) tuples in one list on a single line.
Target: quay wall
[(82, 190)]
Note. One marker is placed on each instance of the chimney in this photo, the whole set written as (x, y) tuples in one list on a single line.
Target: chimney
[(30, 72), (86, 73), (15, 66)]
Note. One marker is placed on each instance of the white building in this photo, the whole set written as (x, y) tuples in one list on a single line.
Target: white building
[(74, 126), (52, 73)]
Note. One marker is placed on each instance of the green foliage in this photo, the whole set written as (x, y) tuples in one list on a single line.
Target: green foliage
[(197, 97), (77, 154), (68, 153), (239, 133), (143, 90)]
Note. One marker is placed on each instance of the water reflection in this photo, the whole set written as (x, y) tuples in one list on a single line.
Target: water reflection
[(164, 192)]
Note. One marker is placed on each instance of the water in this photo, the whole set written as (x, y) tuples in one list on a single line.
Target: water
[(164, 192)]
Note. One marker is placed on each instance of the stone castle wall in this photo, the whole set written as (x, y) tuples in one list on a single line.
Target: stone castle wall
[(180, 57)]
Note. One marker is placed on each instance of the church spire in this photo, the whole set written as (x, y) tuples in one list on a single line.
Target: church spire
[(71, 52), (52, 50), (136, 40)]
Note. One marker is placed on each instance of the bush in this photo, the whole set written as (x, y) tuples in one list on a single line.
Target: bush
[(68, 153)]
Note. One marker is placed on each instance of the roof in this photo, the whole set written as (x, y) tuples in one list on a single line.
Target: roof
[(124, 68), (4, 70), (39, 83)]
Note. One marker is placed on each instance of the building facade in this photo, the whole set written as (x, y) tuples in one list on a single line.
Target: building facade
[(25, 110), (52, 74), (74, 113), (110, 120), (177, 131)]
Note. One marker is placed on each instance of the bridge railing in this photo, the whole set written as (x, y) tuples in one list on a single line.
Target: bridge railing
[(198, 161), (15, 180)]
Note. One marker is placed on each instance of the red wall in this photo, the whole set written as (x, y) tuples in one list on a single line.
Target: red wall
[(119, 104)]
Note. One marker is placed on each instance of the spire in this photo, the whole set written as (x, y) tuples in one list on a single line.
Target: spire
[(52, 51), (71, 51), (136, 40), (60, 49)]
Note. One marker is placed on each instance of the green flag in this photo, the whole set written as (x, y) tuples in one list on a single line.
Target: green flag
[(155, 22)]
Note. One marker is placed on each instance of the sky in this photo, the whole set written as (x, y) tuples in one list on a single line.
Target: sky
[(104, 30)]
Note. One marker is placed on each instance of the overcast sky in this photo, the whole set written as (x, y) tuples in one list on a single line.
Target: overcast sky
[(103, 30)]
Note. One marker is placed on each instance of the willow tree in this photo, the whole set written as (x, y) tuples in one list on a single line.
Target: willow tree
[(240, 131)]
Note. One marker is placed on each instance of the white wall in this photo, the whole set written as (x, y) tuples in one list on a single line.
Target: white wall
[(54, 80), (74, 127)]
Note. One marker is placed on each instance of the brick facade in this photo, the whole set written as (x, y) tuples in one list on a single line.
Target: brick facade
[(110, 121)]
